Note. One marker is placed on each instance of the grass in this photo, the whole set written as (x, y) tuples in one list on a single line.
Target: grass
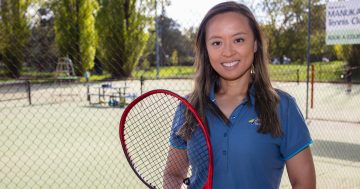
[(290, 72), (97, 77), (165, 72), (324, 72)]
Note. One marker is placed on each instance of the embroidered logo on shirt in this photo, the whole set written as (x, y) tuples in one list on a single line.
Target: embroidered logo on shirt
[(255, 121)]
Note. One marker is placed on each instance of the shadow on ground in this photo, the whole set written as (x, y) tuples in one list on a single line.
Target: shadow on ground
[(336, 150)]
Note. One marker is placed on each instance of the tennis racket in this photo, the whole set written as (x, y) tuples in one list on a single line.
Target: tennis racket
[(146, 127)]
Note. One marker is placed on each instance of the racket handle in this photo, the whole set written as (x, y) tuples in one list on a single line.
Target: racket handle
[(186, 181)]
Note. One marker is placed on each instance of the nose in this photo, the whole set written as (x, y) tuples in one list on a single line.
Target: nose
[(228, 50)]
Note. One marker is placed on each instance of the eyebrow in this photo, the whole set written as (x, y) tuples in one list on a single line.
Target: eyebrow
[(239, 33)]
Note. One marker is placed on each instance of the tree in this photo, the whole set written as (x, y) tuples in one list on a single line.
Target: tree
[(148, 57), (41, 51), (286, 28), (354, 57), (274, 27), (174, 58), (189, 43), (350, 54), (184, 39), (75, 31), (14, 35), (318, 21), (122, 24)]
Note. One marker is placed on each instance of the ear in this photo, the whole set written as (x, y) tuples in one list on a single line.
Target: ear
[(255, 46)]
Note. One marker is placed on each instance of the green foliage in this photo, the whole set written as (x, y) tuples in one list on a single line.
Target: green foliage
[(149, 50), (14, 35), (165, 72), (271, 28), (324, 72), (145, 64), (66, 29), (342, 51), (354, 57), (330, 71), (174, 58), (121, 24), (2, 38), (88, 36), (318, 21), (286, 29), (350, 54), (42, 51), (75, 31), (170, 30)]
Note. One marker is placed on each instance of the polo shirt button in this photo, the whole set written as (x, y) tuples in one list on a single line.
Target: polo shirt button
[(233, 117), (224, 152), (225, 134)]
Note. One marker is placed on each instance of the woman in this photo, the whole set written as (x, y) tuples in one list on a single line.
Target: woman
[(254, 129)]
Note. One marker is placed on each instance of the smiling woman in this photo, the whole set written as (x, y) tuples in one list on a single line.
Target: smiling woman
[(248, 120), (230, 45)]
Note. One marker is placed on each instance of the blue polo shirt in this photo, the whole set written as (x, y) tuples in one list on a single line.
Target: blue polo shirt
[(244, 158)]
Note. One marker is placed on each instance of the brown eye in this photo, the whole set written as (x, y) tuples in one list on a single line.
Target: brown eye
[(216, 43), (239, 40)]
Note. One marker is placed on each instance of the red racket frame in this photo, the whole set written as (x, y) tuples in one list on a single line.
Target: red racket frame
[(208, 184)]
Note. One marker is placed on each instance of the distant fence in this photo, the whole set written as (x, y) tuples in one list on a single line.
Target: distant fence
[(19, 90)]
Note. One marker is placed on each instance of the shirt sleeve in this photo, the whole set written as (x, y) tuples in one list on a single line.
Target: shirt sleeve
[(177, 141), (296, 133)]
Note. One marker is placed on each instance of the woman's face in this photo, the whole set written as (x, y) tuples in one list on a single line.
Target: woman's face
[(231, 45)]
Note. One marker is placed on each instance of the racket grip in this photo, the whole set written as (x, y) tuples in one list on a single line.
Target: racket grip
[(186, 181)]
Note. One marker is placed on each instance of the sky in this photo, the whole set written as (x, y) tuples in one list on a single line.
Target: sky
[(189, 13)]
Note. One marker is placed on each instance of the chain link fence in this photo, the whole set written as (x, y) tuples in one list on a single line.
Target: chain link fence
[(59, 121)]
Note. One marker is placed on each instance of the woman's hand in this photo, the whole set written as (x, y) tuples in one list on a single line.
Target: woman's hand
[(175, 172)]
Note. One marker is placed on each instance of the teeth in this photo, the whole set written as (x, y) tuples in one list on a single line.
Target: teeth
[(229, 64)]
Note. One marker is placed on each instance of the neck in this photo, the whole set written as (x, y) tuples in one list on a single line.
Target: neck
[(234, 88)]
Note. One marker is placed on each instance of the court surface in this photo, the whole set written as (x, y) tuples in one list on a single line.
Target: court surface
[(71, 144)]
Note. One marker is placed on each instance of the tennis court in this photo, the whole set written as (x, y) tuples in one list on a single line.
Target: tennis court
[(71, 144)]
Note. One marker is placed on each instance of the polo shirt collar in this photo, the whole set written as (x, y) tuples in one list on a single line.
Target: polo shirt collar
[(251, 93)]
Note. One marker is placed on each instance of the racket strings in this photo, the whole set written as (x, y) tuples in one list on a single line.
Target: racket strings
[(147, 131), (147, 134)]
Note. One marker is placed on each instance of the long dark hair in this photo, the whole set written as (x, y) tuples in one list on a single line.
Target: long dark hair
[(266, 98)]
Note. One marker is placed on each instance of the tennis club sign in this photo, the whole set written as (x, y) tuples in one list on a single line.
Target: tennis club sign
[(343, 22)]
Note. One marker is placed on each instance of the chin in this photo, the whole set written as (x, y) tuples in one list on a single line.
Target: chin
[(235, 76)]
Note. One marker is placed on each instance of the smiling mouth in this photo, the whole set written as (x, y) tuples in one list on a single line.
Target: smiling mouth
[(230, 64)]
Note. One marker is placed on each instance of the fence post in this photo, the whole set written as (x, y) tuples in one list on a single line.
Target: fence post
[(312, 85), (88, 92), (141, 84), (298, 76), (28, 90), (308, 59)]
